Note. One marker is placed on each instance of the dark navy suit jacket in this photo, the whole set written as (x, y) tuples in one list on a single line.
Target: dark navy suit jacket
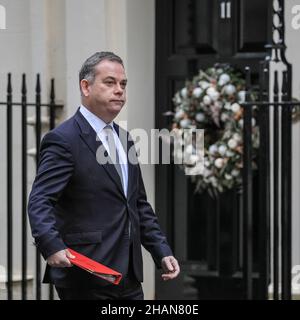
[(78, 203)]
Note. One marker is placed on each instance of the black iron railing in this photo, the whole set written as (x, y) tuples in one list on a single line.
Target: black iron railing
[(9, 105), (281, 186), (276, 101)]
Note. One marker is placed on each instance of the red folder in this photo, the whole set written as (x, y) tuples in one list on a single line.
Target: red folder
[(95, 267)]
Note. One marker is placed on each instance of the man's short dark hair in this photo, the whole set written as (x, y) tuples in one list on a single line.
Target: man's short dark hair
[(87, 70)]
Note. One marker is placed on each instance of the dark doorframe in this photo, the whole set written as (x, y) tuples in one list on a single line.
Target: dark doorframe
[(191, 35)]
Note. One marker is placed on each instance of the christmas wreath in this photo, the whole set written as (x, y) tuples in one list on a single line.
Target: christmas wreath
[(211, 101)]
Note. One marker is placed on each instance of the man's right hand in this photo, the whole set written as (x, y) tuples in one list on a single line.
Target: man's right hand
[(60, 259)]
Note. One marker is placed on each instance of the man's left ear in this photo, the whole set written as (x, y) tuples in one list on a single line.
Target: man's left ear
[(84, 85)]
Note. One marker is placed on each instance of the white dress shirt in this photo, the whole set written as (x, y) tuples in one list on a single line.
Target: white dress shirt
[(98, 125)]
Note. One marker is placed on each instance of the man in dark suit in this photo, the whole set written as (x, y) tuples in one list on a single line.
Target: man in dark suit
[(98, 209)]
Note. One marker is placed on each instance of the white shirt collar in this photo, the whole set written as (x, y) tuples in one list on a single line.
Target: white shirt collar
[(97, 123)]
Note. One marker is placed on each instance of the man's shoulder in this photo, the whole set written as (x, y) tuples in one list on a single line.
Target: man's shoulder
[(66, 130)]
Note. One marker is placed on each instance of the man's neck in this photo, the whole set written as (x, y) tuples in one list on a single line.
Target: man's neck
[(102, 117)]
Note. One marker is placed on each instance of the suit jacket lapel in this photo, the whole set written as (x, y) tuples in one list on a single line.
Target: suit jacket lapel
[(89, 136)]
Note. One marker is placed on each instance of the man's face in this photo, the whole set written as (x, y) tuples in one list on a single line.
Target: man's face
[(107, 95)]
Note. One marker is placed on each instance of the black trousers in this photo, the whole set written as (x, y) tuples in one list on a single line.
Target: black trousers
[(128, 289)]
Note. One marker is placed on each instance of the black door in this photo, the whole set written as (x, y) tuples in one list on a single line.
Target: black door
[(205, 233)]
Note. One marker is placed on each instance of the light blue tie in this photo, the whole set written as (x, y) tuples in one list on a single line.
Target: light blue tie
[(114, 155)]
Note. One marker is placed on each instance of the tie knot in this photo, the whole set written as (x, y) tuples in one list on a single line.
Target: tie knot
[(108, 131), (108, 127)]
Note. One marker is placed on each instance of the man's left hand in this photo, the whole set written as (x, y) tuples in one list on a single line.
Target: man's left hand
[(170, 267)]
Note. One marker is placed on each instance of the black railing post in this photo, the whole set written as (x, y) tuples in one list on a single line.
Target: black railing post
[(9, 192), (52, 105), (264, 183), (24, 188), (247, 192), (286, 197), (282, 157), (276, 190), (38, 128), (52, 125)]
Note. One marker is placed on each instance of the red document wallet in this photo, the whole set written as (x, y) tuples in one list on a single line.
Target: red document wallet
[(95, 267)]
